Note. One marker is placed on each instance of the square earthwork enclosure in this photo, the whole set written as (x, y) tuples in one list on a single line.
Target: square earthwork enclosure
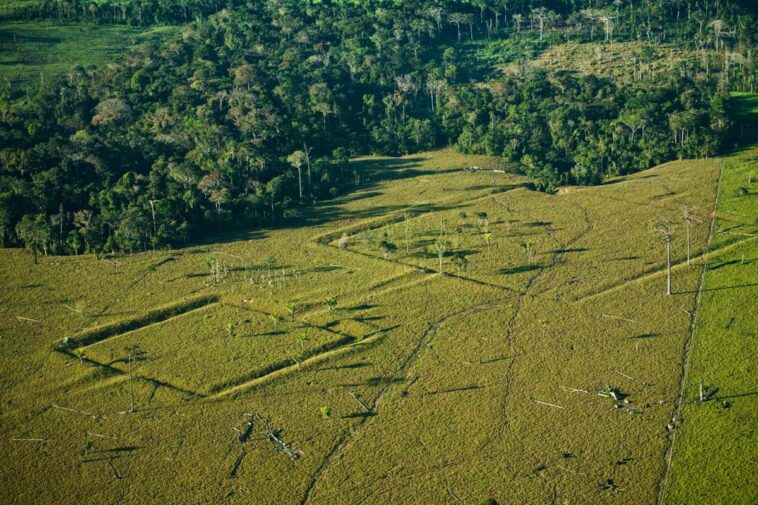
[(216, 346)]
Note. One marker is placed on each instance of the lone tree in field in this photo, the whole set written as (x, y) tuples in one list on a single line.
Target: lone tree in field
[(214, 276), (460, 262), (526, 246), (482, 221), (302, 339), (440, 248), (270, 263), (35, 233), (488, 240), (664, 230), (387, 247), (132, 352), (688, 214)]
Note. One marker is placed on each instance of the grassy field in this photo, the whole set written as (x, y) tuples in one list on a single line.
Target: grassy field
[(33, 51), (714, 452), (411, 386)]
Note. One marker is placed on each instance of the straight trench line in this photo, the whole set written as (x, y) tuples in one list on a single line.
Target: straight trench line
[(313, 360), (656, 273), (397, 218), (431, 271), (373, 337), (149, 325), (663, 483)]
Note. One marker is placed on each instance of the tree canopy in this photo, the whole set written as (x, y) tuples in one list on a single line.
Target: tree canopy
[(252, 110)]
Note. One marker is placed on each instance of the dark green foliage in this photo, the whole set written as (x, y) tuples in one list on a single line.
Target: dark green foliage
[(564, 129), (194, 134), (132, 12)]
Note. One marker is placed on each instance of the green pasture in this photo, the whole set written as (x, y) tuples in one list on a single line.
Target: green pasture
[(411, 385), (40, 50), (714, 451)]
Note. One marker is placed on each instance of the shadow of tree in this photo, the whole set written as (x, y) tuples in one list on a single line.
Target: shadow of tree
[(519, 269)]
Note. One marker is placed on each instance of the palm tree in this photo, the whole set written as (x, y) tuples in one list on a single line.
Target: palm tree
[(517, 19), (297, 159), (526, 246), (457, 18), (440, 248), (664, 230), (133, 352), (688, 214)]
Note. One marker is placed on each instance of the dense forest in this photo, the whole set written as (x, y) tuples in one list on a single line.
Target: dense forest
[(252, 111)]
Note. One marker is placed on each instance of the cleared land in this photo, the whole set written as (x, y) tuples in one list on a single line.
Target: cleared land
[(494, 380), (619, 60), (40, 50), (715, 449)]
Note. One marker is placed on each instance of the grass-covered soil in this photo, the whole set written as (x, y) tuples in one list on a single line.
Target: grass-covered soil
[(40, 50), (714, 450), (489, 381)]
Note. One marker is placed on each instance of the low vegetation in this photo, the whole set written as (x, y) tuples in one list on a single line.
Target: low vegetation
[(438, 373), (381, 252), (714, 447)]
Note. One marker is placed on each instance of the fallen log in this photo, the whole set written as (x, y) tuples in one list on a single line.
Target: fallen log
[(549, 404)]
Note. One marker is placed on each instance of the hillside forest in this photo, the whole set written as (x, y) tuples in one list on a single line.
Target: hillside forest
[(247, 115)]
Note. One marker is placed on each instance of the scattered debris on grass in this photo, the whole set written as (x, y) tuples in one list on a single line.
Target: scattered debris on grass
[(439, 360), (608, 485), (244, 434), (619, 318), (236, 465), (274, 438), (116, 475), (625, 375), (358, 401), (612, 392), (574, 390), (549, 404), (100, 435), (706, 393), (94, 416), (454, 390)]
